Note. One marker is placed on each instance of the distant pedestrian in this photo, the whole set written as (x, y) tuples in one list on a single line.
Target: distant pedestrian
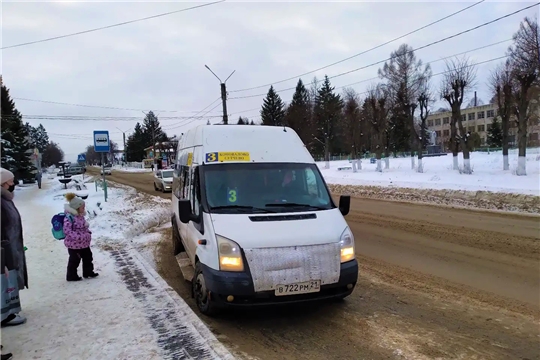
[(38, 178), (152, 167), (78, 239), (14, 270)]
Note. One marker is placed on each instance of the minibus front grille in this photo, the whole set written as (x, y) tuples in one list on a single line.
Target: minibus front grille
[(289, 217), (293, 264)]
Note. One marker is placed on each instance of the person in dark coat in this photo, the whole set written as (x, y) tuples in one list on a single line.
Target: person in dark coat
[(13, 246)]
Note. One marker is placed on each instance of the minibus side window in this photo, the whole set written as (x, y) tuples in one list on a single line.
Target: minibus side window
[(185, 182), (196, 194)]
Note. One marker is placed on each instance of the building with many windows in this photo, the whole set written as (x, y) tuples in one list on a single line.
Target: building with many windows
[(478, 119)]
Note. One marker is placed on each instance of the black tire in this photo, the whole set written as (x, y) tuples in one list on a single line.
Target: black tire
[(201, 294), (178, 247)]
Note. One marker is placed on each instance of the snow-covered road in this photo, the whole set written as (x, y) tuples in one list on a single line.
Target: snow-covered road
[(128, 312)]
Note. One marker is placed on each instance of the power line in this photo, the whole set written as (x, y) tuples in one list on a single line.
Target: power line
[(376, 77), (194, 119), (363, 52), (464, 67), (431, 62), (419, 48), (99, 106), (111, 26), (103, 118), (206, 107), (82, 136)]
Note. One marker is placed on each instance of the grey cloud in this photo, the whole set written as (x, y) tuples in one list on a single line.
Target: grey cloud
[(159, 63)]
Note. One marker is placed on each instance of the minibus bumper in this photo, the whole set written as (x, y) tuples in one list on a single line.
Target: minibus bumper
[(230, 289)]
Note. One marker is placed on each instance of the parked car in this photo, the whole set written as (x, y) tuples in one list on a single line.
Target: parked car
[(107, 169), (163, 180), (75, 170)]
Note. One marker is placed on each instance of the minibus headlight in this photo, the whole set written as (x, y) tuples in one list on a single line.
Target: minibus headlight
[(346, 244), (230, 256)]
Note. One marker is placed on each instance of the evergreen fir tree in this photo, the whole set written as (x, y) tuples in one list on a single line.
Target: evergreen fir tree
[(38, 137), (136, 144), (251, 123), (16, 149), (494, 134), (298, 115), (152, 129), (240, 121), (327, 113), (272, 112)]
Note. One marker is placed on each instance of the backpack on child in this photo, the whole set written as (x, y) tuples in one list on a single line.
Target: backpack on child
[(57, 222)]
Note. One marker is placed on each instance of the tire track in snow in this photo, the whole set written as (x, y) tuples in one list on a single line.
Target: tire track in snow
[(176, 339)]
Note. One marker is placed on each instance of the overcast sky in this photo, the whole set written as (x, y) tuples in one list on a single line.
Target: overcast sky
[(158, 64)]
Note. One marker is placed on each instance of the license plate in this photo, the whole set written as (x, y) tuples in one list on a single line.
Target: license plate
[(299, 288)]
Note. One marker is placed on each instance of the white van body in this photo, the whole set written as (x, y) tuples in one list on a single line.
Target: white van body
[(235, 221)]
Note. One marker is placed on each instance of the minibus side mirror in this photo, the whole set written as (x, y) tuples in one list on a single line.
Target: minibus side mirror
[(184, 210), (344, 204)]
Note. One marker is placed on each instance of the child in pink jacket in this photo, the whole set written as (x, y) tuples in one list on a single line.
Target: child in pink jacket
[(77, 240)]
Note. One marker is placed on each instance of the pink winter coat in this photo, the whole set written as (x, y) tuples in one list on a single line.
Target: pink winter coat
[(78, 236)]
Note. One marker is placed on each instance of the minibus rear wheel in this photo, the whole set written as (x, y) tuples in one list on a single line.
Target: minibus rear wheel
[(201, 293)]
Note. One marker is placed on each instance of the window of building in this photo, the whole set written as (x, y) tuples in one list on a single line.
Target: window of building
[(438, 133), (446, 132), (437, 122), (471, 129), (430, 123), (481, 114), (471, 116), (446, 120), (490, 113), (463, 117), (481, 128)]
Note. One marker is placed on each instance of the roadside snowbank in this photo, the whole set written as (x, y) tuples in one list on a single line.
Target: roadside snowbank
[(438, 174), (127, 312)]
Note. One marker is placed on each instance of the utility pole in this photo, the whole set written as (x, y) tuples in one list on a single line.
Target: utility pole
[(223, 95), (124, 139)]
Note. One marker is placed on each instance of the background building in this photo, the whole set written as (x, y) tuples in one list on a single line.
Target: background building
[(478, 119)]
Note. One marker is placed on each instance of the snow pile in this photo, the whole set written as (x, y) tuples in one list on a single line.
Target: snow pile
[(438, 174), (131, 169), (488, 187), (126, 214), (127, 312)]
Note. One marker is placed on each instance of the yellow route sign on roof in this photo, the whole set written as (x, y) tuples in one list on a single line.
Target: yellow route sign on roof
[(227, 156)]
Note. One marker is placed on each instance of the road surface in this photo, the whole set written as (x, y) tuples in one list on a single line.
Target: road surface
[(434, 282)]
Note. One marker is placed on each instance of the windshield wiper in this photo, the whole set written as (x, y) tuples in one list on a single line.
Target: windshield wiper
[(240, 207), (288, 204)]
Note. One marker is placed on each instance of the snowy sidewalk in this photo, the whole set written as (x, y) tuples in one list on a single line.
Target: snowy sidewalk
[(128, 312)]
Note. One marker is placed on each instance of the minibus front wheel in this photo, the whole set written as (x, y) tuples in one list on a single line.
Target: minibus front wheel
[(202, 296)]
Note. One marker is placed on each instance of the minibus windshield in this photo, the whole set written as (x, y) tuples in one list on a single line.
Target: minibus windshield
[(260, 187)]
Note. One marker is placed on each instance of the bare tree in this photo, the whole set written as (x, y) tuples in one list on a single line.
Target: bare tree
[(458, 79), (525, 64), (501, 87), (425, 99), (376, 109), (405, 76)]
